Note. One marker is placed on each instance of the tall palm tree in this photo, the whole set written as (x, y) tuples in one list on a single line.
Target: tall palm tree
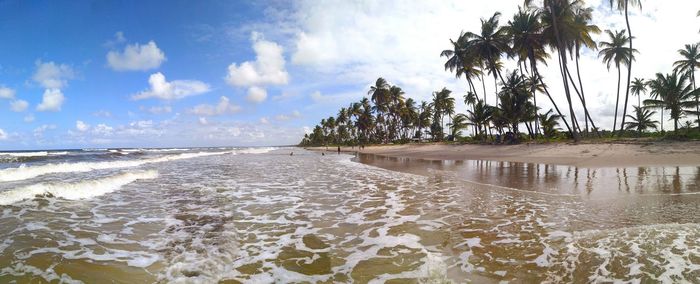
[(514, 98), (380, 96), (480, 115), (674, 93), (488, 45), (641, 120), (690, 61), (583, 38), (623, 5), (638, 87), (557, 18), (616, 52), (462, 63)]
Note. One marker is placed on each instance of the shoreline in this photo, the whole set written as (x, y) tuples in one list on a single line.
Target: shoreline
[(593, 155)]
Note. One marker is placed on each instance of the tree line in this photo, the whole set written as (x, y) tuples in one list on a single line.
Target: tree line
[(561, 28)]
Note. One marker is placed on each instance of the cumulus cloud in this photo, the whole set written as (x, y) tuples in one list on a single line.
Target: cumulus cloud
[(136, 57), (203, 121), (223, 107), (81, 126), (51, 100), (173, 90), (6, 93), (267, 69), (39, 131), (29, 118), (256, 95), (3, 134), (264, 120), (51, 75), (19, 105)]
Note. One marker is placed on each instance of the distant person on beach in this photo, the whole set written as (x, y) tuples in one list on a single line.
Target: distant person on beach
[(291, 154), (338, 150), (323, 154)]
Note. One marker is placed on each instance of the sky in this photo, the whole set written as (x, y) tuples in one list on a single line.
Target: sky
[(98, 74)]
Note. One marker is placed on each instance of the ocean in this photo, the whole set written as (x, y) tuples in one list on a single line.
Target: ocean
[(261, 215)]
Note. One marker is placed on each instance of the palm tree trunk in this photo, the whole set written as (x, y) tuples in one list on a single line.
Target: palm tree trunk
[(662, 119), (629, 69), (532, 90), (583, 96), (562, 55), (546, 91), (587, 116), (484, 86), (471, 86), (697, 97), (617, 100)]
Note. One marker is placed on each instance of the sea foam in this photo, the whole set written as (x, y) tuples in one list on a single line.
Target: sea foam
[(24, 172), (75, 191)]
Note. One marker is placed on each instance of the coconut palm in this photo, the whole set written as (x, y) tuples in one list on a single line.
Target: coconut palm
[(462, 63), (623, 5), (690, 61), (638, 87), (674, 93), (616, 52), (459, 122), (514, 97), (559, 31), (641, 120), (583, 38), (488, 45), (549, 123), (480, 115)]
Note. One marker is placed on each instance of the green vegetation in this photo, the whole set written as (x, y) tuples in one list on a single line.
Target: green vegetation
[(531, 37)]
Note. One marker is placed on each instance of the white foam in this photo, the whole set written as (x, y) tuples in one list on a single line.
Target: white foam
[(23, 172), (262, 150), (74, 191), (25, 154)]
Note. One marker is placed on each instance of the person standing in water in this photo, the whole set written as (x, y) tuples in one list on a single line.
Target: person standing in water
[(338, 150)]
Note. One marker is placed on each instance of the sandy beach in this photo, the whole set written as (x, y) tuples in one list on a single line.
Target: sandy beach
[(580, 155)]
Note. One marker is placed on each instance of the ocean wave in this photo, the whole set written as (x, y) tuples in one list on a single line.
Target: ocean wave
[(75, 191), (24, 172), (25, 154), (262, 150)]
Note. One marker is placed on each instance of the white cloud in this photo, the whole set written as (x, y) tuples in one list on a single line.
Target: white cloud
[(81, 126), (19, 105), (173, 90), (39, 131), (136, 57), (223, 107), (103, 129), (264, 120), (287, 117), (256, 95), (267, 69), (51, 75), (51, 101), (29, 118), (3, 134), (6, 93), (158, 109), (203, 121)]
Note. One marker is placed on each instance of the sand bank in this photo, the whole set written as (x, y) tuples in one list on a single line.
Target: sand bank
[(580, 155)]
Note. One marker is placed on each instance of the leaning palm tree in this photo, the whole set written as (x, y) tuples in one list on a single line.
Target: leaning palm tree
[(687, 65), (488, 45), (583, 38), (459, 122), (638, 87), (557, 17), (462, 63), (674, 93), (641, 120), (623, 5), (616, 52)]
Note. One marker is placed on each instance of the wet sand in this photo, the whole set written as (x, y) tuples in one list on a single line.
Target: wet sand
[(579, 155)]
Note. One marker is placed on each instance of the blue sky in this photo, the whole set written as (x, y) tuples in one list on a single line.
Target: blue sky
[(76, 74)]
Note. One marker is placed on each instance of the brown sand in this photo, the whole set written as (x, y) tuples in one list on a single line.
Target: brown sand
[(580, 155)]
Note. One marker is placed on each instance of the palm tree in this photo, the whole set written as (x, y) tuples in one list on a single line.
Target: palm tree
[(488, 45), (690, 61), (425, 112), (459, 122), (514, 98), (641, 121), (616, 52), (638, 87), (549, 123), (583, 38), (480, 115), (672, 92), (462, 63), (380, 96), (623, 5), (557, 18)]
